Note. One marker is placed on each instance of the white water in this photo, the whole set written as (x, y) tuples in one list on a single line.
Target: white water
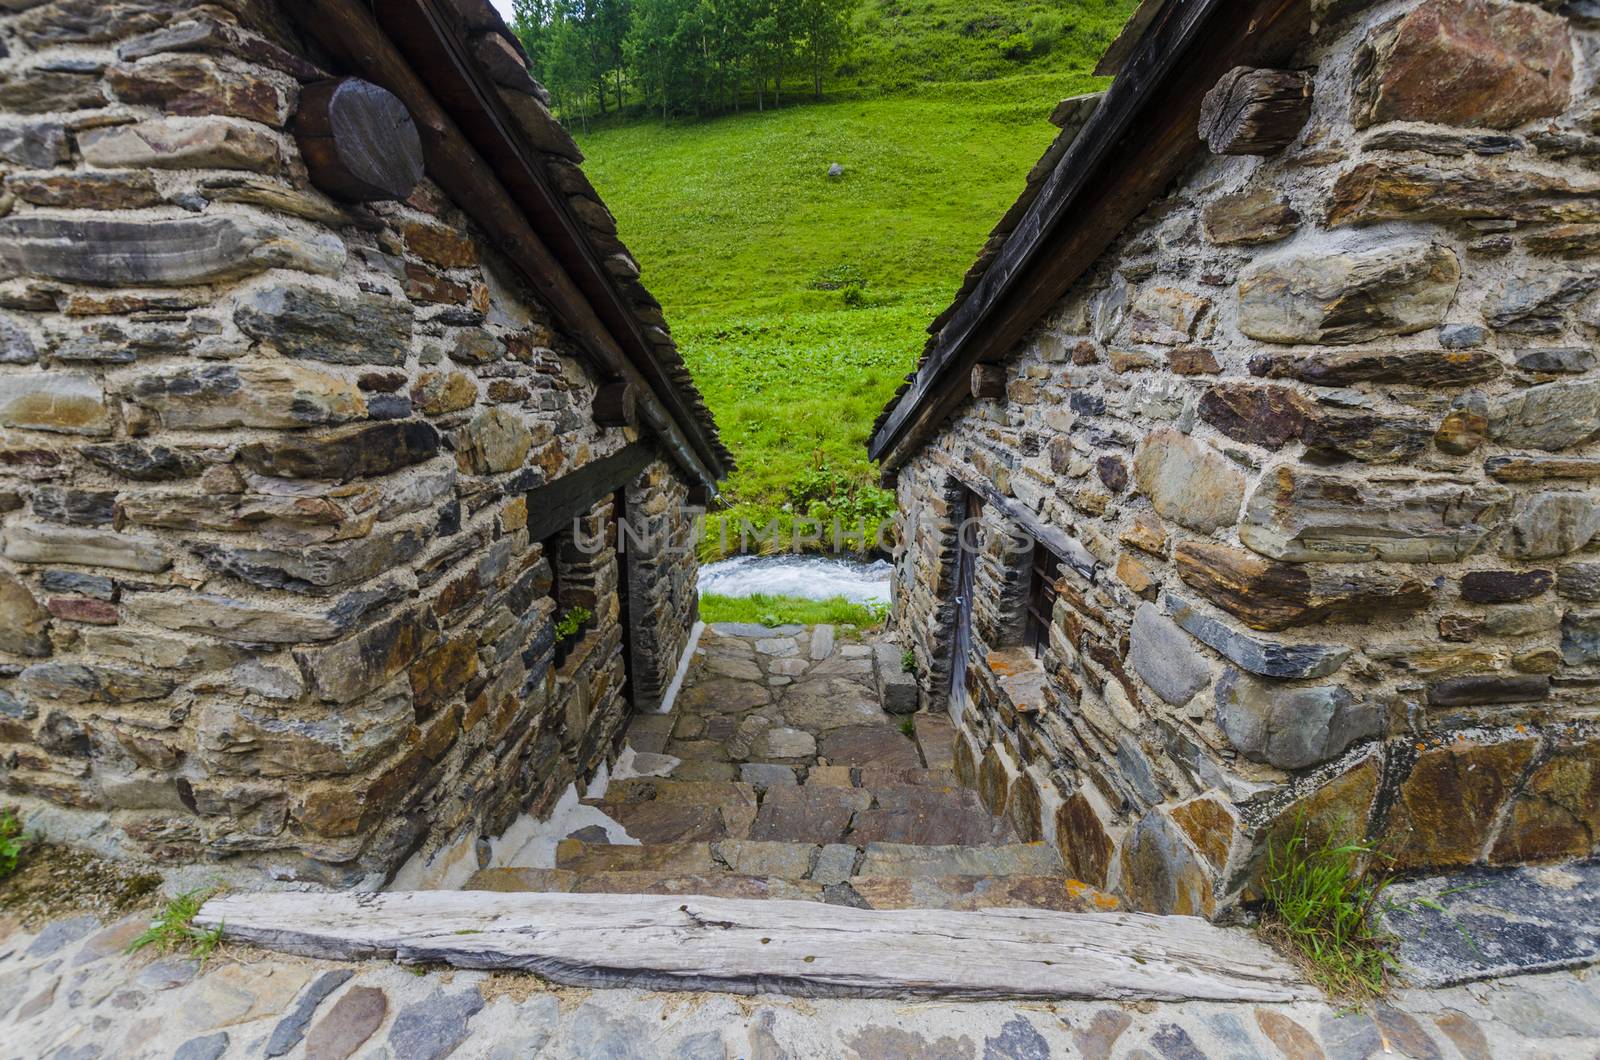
[(810, 577)]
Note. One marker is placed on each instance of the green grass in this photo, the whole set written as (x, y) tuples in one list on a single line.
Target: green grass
[(173, 929), (12, 843), (783, 610), (1320, 901), (800, 302)]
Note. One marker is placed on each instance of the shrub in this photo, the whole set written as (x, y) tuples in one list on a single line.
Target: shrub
[(1320, 900), (853, 295), (908, 661)]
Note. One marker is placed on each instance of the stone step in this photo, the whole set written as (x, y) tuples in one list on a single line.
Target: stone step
[(713, 884), (827, 863), (862, 892), (1014, 859)]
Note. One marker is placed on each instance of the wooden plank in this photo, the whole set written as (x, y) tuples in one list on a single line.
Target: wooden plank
[(667, 942), (553, 506), (349, 31), (1134, 146)]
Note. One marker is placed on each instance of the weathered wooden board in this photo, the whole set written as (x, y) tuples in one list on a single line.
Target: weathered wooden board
[(803, 948)]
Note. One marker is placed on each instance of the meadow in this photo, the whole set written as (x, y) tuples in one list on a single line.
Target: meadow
[(801, 300)]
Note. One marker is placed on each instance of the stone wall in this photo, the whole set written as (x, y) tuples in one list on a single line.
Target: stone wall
[(1326, 422), (267, 591), (663, 579)]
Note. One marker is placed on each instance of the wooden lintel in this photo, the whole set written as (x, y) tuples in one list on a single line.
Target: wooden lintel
[(553, 506), (1066, 548), (615, 404), (1255, 112)]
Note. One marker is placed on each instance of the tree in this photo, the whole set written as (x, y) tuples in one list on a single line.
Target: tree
[(823, 28)]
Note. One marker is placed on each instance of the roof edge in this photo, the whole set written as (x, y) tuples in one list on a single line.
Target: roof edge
[(1134, 145)]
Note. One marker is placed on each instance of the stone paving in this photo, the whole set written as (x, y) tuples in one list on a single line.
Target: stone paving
[(68, 992), (778, 774)]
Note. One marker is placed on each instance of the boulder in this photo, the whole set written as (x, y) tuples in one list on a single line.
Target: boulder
[(1393, 190), (190, 84), (1291, 726), (46, 543), (1551, 524), (346, 453), (166, 252), (1165, 656), (1478, 63), (1341, 292), (1188, 481), (1550, 416), (1300, 515), (1249, 218), (237, 738), (268, 395), (61, 402), (321, 325), (1273, 596), (24, 624), (182, 143)]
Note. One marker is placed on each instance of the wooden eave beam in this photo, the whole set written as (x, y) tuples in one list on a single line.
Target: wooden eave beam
[(488, 173), (1136, 144)]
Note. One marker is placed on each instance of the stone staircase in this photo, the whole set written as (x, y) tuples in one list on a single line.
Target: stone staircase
[(778, 832), (778, 775)]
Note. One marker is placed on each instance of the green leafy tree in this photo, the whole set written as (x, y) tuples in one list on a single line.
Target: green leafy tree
[(823, 28)]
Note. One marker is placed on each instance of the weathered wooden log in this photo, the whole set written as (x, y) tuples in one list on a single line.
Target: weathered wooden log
[(988, 381), (671, 942), (616, 404), (358, 140), (1255, 112)]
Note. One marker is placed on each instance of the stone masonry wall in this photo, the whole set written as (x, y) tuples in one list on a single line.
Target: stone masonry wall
[(663, 580), (1326, 420), (267, 592)]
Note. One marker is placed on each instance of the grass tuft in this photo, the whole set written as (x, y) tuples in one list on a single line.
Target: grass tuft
[(12, 843), (173, 929), (1321, 897), (767, 610)]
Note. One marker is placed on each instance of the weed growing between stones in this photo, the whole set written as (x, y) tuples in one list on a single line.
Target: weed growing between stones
[(1321, 904), (12, 843), (908, 661), (173, 929)]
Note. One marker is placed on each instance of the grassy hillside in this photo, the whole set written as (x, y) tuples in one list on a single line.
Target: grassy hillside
[(800, 301)]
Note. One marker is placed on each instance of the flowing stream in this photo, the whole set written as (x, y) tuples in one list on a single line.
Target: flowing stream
[(810, 577)]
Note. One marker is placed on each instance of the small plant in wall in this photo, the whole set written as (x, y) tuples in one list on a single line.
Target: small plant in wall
[(908, 661), (568, 625), (12, 843)]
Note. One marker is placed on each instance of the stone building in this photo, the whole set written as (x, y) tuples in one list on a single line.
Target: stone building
[(325, 388), (1271, 410)]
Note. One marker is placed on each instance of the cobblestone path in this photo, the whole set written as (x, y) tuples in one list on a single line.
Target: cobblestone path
[(778, 774), (68, 993)]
